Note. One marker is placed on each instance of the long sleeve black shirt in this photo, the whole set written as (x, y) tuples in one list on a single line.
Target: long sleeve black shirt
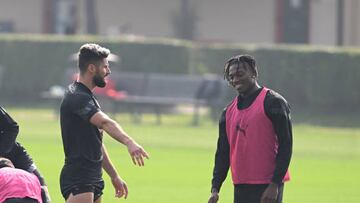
[(11, 149), (9, 130), (278, 111), (14, 151)]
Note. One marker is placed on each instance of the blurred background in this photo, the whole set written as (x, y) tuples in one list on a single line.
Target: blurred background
[(167, 76), (302, 46), (326, 22)]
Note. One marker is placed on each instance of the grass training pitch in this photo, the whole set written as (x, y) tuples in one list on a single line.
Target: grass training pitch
[(325, 165)]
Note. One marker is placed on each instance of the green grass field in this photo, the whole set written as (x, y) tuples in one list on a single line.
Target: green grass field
[(325, 165)]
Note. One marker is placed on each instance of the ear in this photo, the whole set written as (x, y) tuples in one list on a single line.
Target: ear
[(91, 68)]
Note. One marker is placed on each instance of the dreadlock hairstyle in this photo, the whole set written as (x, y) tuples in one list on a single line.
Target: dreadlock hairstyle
[(240, 59)]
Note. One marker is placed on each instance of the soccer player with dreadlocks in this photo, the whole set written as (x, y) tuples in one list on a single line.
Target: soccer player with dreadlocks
[(255, 138)]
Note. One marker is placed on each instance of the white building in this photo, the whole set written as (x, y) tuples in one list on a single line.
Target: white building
[(325, 22)]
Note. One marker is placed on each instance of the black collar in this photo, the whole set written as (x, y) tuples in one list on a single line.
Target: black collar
[(83, 87), (245, 102)]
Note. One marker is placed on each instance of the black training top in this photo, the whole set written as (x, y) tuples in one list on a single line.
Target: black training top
[(9, 130), (9, 148), (278, 111), (13, 150), (82, 140)]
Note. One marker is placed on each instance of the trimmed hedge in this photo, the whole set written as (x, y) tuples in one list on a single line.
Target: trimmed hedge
[(34, 63), (310, 78)]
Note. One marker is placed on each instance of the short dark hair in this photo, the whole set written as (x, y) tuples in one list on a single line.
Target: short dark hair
[(250, 60), (4, 162), (91, 54)]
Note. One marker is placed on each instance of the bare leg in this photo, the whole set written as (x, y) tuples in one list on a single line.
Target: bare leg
[(98, 200), (87, 197)]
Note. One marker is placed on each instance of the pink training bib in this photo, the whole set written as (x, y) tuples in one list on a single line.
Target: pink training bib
[(17, 183), (253, 143)]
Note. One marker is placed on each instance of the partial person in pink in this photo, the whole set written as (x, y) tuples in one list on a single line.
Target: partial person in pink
[(255, 138), (18, 186)]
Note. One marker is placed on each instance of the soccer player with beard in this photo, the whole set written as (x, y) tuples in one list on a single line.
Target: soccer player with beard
[(82, 126)]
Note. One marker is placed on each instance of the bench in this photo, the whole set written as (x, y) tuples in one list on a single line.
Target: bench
[(154, 92), (160, 93)]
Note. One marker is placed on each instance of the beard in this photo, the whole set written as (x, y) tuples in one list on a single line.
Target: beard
[(99, 81)]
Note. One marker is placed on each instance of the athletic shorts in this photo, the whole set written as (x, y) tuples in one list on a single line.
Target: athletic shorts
[(95, 188), (251, 193), (20, 200)]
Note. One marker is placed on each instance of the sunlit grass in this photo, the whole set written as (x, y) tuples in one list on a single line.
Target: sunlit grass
[(324, 167)]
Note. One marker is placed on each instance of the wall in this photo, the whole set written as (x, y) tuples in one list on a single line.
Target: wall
[(323, 23), (25, 14)]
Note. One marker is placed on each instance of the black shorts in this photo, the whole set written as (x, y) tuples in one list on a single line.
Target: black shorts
[(20, 200), (251, 193), (76, 189)]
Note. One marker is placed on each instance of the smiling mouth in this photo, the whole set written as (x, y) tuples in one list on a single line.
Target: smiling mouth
[(237, 85), (240, 87)]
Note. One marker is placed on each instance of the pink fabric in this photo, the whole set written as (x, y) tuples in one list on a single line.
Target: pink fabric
[(253, 143), (17, 183)]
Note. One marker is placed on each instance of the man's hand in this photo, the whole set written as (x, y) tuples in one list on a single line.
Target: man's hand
[(120, 187), (214, 197), (270, 193), (137, 153)]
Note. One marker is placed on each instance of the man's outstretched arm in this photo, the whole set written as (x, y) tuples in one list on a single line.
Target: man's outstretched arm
[(102, 121)]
